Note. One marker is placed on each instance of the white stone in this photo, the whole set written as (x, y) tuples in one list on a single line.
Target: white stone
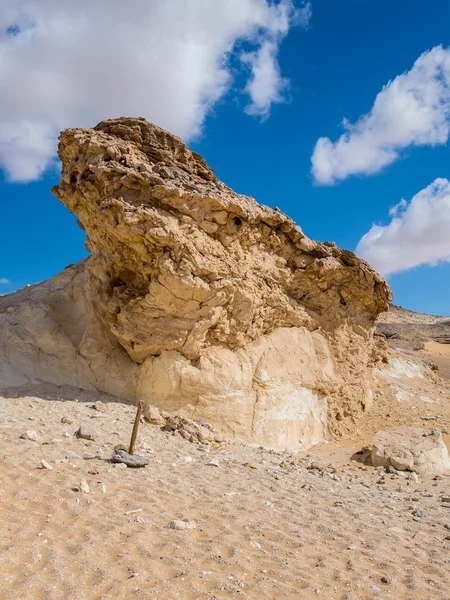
[(411, 449), (180, 525), (29, 435)]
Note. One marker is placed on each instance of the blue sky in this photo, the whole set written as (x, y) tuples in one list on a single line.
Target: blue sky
[(260, 139)]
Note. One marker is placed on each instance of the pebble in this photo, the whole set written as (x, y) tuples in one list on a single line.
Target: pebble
[(67, 420), (413, 476), (100, 406), (186, 459), (180, 525), (85, 433), (445, 499), (46, 465), (84, 487), (134, 461), (213, 463), (29, 435), (250, 465), (386, 580), (374, 588), (147, 448)]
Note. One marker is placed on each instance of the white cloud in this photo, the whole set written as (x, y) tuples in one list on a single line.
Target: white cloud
[(74, 64), (411, 110), (266, 86), (418, 233), (4, 281)]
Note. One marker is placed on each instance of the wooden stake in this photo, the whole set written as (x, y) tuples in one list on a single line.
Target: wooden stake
[(135, 428)]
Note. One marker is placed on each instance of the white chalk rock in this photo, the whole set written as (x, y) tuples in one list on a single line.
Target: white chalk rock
[(411, 449)]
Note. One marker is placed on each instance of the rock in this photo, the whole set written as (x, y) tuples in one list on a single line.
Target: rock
[(194, 296), (153, 416), (213, 463), (29, 435), (176, 524), (100, 406), (85, 433), (84, 487), (419, 513), (130, 460), (445, 499), (411, 449), (67, 420), (46, 465), (186, 459), (120, 465)]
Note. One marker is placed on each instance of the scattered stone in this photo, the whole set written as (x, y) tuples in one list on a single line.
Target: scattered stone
[(445, 499), (85, 433), (67, 420), (132, 512), (419, 513), (254, 544), (411, 449), (187, 459), (250, 465), (374, 588), (180, 525), (46, 465), (386, 580), (133, 461), (93, 472), (29, 435), (153, 415), (84, 487), (102, 487), (100, 406), (120, 466), (213, 463)]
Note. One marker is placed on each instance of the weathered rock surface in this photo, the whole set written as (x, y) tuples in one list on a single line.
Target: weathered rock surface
[(195, 299), (411, 449)]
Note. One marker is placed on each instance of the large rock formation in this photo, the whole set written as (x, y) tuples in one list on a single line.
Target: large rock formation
[(196, 299)]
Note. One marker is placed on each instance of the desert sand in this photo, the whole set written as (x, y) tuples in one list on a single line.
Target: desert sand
[(269, 524)]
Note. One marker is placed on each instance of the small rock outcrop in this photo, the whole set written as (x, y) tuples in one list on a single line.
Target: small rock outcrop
[(196, 299), (411, 449)]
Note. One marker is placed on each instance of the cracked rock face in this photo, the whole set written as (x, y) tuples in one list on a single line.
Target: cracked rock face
[(220, 307)]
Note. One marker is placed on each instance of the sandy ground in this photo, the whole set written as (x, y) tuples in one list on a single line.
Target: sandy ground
[(268, 526)]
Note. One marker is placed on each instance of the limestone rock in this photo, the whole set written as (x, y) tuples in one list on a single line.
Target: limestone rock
[(182, 525), (411, 449), (153, 415), (195, 299)]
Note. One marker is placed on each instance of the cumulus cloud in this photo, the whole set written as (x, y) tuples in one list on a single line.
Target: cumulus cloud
[(74, 64), (4, 281), (411, 110), (418, 233)]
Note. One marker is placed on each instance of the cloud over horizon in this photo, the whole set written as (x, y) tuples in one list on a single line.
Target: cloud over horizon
[(412, 110), (417, 235), (66, 64)]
